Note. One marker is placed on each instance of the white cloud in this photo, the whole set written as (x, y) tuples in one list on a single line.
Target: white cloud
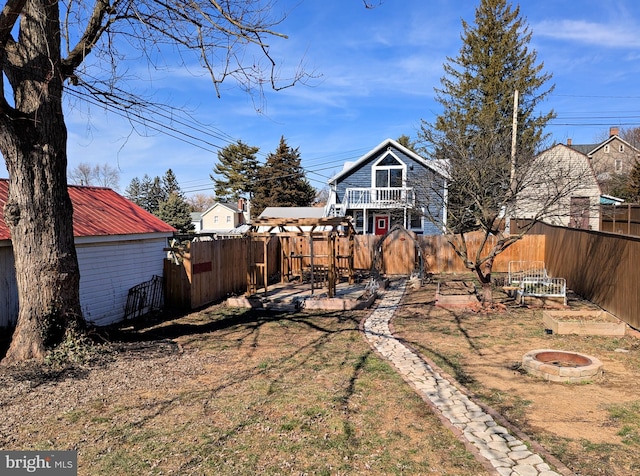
[(609, 35)]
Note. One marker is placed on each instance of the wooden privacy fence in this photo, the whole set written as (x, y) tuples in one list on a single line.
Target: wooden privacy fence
[(398, 252), (212, 270), (601, 267), (622, 219)]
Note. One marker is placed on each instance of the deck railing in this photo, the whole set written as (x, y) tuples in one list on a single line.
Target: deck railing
[(378, 197)]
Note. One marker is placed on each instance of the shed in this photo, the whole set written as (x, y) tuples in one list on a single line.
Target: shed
[(119, 245)]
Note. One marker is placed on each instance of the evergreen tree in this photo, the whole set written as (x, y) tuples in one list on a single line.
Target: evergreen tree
[(163, 198), (235, 173), (153, 194), (134, 191), (176, 212), (281, 181), (474, 131), (170, 184), (405, 141), (632, 190)]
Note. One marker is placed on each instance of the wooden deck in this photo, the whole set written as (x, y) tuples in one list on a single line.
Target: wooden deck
[(295, 296)]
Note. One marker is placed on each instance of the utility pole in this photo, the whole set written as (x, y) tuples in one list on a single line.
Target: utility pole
[(514, 133), (512, 184)]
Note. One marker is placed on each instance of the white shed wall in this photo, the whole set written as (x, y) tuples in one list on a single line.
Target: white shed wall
[(8, 288), (107, 271)]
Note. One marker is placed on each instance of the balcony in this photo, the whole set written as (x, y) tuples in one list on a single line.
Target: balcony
[(392, 197)]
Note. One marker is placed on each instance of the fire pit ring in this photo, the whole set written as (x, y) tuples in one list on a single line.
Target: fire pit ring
[(561, 366)]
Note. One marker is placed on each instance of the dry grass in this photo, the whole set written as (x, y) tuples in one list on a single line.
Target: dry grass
[(231, 392), (593, 428)]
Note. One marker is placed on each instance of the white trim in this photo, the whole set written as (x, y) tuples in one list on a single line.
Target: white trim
[(375, 167), (434, 165), (84, 240)]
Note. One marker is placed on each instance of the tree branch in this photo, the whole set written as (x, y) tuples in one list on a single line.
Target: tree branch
[(8, 18), (92, 33)]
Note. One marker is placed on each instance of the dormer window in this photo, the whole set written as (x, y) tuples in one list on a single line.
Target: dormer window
[(388, 172)]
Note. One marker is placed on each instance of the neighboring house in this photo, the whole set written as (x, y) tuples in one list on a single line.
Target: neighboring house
[(119, 245), (610, 158), (561, 168), (292, 213), (388, 185), (224, 218), (196, 221)]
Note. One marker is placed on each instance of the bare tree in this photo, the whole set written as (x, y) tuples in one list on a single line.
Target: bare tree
[(99, 175), (200, 202), (493, 201), (49, 48)]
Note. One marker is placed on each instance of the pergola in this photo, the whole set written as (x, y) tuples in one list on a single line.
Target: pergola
[(293, 262)]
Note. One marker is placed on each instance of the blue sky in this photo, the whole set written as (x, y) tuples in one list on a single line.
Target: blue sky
[(378, 71)]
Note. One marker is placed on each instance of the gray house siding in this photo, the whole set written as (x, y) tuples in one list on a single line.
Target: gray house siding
[(428, 188), (358, 178)]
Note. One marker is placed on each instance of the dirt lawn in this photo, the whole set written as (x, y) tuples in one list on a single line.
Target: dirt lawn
[(592, 427)]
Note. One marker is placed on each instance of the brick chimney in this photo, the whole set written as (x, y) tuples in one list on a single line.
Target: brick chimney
[(613, 131), (569, 142)]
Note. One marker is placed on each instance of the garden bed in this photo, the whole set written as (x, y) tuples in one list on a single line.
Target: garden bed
[(456, 294), (583, 322)]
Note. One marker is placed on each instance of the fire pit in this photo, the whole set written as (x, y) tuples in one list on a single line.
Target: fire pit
[(561, 366)]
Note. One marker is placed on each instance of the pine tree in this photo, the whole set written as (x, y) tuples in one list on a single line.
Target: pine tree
[(153, 194), (282, 182), (170, 184), (176, 212), (474, 131), (632, 190), (134, 191), (235, 173)]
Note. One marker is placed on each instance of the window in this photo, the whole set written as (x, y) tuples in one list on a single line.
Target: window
[(621, 148), (358, 218), (606, 149), (619, 165), (416, 220), (228, 218), (388, 172), (215, 219)]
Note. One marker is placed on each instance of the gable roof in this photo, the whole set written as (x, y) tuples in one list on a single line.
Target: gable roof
[(292, 212), (566, 151), (349, 166), (584, 148), (590, 149), (98, 211), (230, 206), (609, 140)]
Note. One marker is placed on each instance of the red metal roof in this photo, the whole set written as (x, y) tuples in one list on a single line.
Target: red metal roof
[(99, 211)]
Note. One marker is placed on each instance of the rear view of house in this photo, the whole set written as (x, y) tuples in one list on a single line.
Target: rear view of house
[(389, 185), (119, 245), (560, 188)]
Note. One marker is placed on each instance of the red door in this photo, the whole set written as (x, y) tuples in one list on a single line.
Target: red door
[(381, 224)]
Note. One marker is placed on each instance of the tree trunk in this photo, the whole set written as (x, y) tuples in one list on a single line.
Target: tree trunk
[(38, 211), (484, 275)]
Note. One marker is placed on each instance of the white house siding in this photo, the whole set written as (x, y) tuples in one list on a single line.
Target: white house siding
[(109, 270), (564, 168), (8, 288)]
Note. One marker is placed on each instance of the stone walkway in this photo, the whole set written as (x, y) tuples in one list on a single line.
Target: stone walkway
[(508, 455)]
